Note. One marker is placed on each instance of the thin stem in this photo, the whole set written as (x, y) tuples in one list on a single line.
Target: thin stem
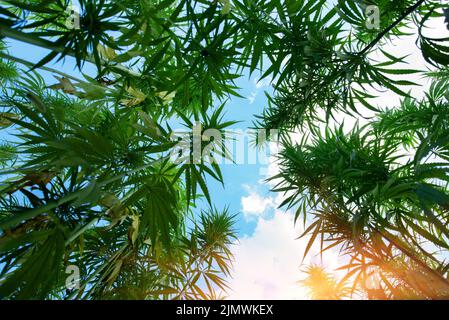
[(397, 243), (80, 231), (8, 32), (31, 213), (36, 41), (391, 26), (30, 64), (78, 293)]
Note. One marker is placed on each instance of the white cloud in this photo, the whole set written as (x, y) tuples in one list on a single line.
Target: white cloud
[(268, 263), (255, 205), (252, 97)]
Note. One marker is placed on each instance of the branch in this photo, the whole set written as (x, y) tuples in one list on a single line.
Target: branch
[(31, 64), (391, 26), (8, 32)]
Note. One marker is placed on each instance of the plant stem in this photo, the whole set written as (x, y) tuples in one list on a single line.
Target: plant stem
[(30, 64), (401, 246), (80, 231), (8, 32), (391, 26)]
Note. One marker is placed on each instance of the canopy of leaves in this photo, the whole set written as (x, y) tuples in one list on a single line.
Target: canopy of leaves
[(89, 176)]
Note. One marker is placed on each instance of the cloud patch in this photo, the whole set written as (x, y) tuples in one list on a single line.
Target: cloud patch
[(268, 263), (254, 205)]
